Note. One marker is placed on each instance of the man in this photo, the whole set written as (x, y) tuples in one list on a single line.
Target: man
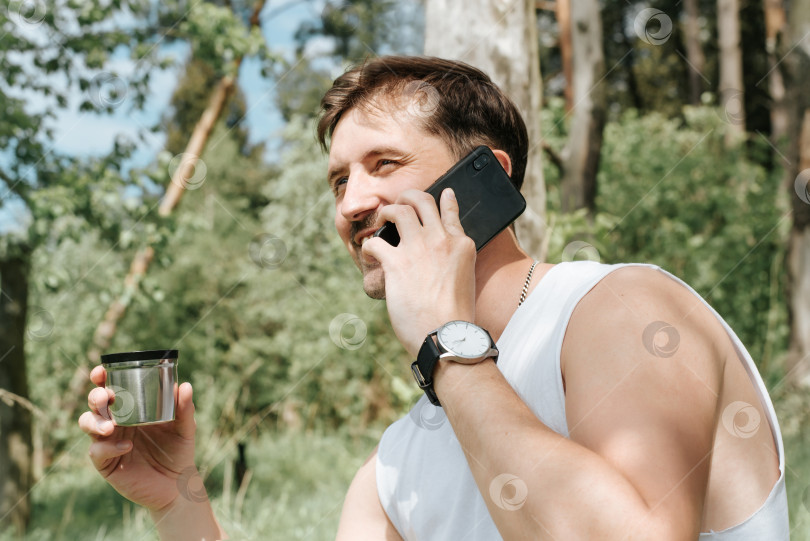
[(620, 406)]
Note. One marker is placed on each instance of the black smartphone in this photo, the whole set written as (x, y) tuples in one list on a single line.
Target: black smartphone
[(487, 200)]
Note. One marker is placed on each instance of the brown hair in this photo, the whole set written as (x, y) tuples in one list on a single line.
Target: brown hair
[(455, 101)]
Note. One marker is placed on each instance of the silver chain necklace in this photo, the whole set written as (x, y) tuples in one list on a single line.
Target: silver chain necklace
[(526, 284)]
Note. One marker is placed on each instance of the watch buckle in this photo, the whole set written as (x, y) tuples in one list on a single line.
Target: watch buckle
[(417, 374)]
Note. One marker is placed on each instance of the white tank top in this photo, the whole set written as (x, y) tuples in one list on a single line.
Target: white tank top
[(423, 480)]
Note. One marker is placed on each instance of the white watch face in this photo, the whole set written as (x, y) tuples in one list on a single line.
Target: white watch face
[(464, 339)]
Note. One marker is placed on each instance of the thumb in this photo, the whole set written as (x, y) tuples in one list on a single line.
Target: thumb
[(184, 415)]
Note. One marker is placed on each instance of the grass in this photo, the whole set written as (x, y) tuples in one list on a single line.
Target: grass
[(296, 489), (793, 411)]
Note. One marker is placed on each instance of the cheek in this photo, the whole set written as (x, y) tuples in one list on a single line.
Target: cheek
[(342, 226)]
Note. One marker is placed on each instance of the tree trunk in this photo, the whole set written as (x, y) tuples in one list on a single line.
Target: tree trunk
[(500, 38), (732, 97), (629, 62), (798, 264), (563, 14), (581, 154), (694, 52), (774, 29), (796, 75), (15, 418)]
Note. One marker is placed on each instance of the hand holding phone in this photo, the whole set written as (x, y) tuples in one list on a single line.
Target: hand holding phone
[(488, 201)]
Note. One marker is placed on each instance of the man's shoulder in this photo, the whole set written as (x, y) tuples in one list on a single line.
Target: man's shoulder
[(640, 318), (637, 290)]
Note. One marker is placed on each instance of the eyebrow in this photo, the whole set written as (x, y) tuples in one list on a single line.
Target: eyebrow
[(335, 172)]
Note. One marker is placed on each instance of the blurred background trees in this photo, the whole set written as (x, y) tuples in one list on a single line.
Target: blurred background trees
[(651, 154)]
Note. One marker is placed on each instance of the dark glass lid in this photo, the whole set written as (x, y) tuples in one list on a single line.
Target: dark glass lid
[(149, 355)]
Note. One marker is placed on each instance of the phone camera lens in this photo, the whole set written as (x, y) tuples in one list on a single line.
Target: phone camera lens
[(481, 162)]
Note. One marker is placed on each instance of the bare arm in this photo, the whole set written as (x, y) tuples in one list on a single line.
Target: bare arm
[(188, 519), (637, 461), (363, 516)]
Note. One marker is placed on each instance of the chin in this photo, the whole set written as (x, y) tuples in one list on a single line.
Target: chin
[(374, 283)]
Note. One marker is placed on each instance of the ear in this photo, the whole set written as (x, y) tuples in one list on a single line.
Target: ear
[(504, 159)]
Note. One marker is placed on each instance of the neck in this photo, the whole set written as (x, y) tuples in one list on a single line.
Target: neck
[(500, 272)]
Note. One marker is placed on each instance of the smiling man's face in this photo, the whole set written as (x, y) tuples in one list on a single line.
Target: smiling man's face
[(372, 158)]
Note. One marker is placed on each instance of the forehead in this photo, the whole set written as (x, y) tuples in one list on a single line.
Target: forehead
[(383, 123)]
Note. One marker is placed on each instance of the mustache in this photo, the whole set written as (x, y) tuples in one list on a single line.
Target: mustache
[(362, 224)]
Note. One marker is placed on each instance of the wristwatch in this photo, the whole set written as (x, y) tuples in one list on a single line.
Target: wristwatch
[(459, 341)]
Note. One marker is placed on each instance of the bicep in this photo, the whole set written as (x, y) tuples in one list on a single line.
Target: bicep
[(363, 516), (641, 388)]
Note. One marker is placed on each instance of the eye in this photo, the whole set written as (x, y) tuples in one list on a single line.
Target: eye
[(386, 164), (338, 184)]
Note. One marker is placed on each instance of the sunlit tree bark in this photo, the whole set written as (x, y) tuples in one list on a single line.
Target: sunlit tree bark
[(796, 149), (500, 38), (731, 88), (581, 154), (694, 51)]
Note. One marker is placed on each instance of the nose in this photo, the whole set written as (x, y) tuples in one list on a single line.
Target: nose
[(360, 197)]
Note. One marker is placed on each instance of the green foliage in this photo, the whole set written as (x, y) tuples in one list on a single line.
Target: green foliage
[(218, 36), (670, 193), (85, 204), (300, 88), (47, 50), (352, 30), (356, 27), (793, 410)]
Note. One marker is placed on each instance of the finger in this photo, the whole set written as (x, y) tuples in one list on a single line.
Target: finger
[(376, 248), (186, 425), (404, 217), (95, 425), (102, 451), (98, 400), (450, 216), (98, 375), (425, 205)]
